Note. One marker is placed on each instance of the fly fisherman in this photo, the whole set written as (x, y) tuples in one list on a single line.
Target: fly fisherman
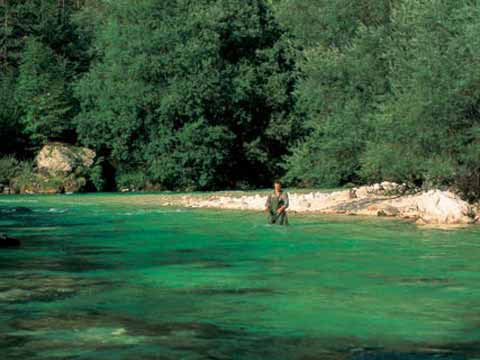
[(276, 206)]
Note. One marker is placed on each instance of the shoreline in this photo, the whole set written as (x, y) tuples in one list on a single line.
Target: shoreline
[(431, 208), (390, 200), (386, 199)]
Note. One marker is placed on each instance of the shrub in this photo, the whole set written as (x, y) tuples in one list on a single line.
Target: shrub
[(9, 168), (133, 180), (24, 177)]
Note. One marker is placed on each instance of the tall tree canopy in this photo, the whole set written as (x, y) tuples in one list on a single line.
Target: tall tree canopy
[(209, 94), (428, 130), (42, 51), (345, 77), (196, 95), (42, 94), (389, 94)]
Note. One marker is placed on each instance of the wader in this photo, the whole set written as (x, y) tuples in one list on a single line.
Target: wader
[(274, 203)]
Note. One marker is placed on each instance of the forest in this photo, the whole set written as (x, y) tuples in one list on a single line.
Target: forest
[(231, 94)]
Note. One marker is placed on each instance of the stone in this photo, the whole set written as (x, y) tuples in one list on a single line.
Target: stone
[(352, 194), (60, 158), (392, 188), (14, 295), (388, 211), (60, 168), (21, 210), (376, 188), (476, 209), (9, 242), (385, 188), (359, 192), (444, 207)]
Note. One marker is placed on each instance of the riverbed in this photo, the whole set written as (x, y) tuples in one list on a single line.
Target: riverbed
[(107, 277)]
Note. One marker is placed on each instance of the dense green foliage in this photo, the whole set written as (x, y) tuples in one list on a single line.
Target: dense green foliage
[(41, 94), (213, 94), (392, 96), (9, 168), (194, 96), (42, 51), (345, 78), (428, 129)]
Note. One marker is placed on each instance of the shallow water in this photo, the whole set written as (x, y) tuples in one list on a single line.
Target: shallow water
[(99, 278)]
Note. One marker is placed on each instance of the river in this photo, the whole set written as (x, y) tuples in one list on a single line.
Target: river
[(100, 278)]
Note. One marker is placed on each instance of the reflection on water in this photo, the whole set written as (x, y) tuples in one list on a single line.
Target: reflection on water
[(101, 280)]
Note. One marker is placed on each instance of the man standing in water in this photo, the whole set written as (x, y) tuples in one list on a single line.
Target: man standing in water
[(276, 206)]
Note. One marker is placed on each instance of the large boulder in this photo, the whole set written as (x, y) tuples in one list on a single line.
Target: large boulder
[(443, 207), (60, 168), (60, 158)]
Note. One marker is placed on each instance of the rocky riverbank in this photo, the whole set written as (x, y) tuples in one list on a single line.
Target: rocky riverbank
[(63, 168), (387, 199)]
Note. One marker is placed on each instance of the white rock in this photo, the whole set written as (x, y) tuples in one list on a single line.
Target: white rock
[(63, 158), (443, 207)]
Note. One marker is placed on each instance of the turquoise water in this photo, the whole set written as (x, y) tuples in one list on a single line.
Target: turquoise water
[(107, 277)]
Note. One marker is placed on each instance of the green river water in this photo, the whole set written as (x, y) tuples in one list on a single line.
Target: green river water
[(97, 278)]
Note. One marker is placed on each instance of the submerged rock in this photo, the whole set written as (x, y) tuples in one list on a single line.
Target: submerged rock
[(27, 287), (22, 210), (16, 210), (17, 295), (9, 242), (14, 295)]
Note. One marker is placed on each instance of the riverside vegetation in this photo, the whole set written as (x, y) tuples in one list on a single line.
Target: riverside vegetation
[(207, 95)]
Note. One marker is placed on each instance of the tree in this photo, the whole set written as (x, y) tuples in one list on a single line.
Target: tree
[(54, 25), (12, 140), (173, 80), (42, 94), (345, 81), (331, 23), (50, 21), (431, 122)]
